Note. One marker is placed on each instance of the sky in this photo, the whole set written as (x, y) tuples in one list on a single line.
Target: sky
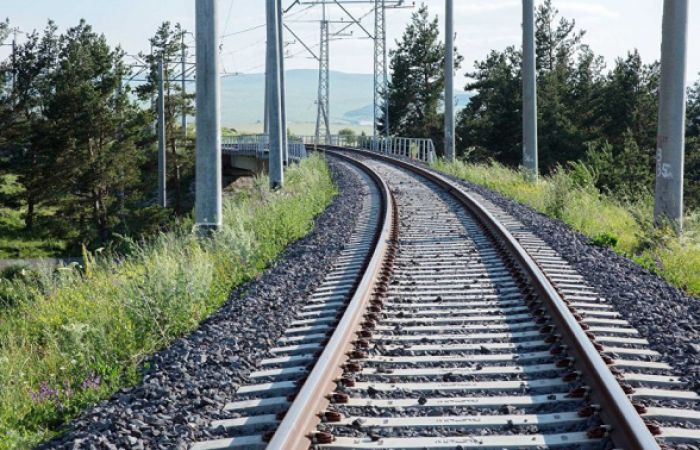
[(613, 27)]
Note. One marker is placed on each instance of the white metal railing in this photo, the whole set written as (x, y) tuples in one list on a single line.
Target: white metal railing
[(258, 145), (414, 148)]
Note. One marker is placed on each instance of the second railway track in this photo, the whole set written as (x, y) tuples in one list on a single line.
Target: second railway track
[(458, 329)]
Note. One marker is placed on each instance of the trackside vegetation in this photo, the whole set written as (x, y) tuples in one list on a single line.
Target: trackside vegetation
[(72, 336), (571, 196)]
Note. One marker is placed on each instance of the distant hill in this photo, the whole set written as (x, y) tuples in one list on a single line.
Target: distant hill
[(351, 99)]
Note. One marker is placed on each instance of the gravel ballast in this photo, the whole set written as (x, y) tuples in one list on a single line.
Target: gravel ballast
[(666, 316), (189, 382)]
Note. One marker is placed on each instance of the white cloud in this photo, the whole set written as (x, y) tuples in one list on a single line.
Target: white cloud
[(484, 7), (488, 39), (586, 8)]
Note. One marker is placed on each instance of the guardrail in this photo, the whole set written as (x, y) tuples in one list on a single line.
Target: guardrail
[(413, 148), (258, 145)]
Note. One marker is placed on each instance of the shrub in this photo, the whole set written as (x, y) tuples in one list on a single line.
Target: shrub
[(627, 227), (76, 335), (604, 240)]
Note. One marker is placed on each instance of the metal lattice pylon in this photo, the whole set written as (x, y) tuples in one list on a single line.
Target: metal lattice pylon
[(381, 104), (322, 118)]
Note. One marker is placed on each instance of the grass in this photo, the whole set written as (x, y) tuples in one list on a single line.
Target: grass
[(627, 228), (73, 336), (15, 240)]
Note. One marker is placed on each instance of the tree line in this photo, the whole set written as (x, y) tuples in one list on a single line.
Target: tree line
[(79, 140), (600, 118)]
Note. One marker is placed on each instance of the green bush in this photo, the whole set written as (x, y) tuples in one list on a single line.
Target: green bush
[(73, 336), (604, 240), (628, 228)]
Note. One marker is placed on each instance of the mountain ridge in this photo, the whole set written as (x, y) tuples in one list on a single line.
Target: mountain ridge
[(351, 99)]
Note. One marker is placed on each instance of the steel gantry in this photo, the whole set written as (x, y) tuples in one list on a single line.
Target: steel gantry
[(323, 102), (381, 69)]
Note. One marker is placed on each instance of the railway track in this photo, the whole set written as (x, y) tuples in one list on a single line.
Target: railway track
[(447, 324)]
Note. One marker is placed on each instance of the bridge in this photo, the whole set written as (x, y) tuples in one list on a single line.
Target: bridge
[(251, 153)]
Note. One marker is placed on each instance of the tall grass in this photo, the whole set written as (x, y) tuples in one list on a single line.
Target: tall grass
[(569, 195), (71, 337)]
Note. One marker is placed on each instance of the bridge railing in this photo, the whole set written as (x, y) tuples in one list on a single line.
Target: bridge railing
[(414, 148), (258, 145)]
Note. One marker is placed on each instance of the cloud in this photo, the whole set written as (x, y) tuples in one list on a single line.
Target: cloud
[(491, 38), (484, 7), (586, 8)]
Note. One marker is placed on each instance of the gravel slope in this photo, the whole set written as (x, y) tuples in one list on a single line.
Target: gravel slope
[(189, 382)]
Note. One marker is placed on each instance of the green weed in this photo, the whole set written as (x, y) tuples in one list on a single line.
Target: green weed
[(627, 228), (72, 336)]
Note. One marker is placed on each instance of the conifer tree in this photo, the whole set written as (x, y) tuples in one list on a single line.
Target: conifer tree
[(94, 128), (417, 85), (167, 44), (23, 118)]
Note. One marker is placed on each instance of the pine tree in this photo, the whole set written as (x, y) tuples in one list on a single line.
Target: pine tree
[(490, 126), (569, 74), (4, 73), (23, 118), (417, 85), (167, 44), (692, 149), (94, 127)]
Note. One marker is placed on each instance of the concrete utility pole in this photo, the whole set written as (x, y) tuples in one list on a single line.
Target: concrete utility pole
[(529, 91), (162, 172), (274, 97), (14, 59), (266, 100), (184, 87), (449, 81), (283, 87), (670, 141), (208, 215)]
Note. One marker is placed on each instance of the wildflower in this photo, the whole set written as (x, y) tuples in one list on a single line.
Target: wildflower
[(45, 393), (67, 389), (91, 382)]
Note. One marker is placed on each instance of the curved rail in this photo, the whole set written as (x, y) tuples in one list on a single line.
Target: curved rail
[(628, 428), (295, 429)]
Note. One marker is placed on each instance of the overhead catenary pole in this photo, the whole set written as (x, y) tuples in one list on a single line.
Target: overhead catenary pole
[(274, 97), (670, 141), (283, 95), (530, 152), (184, 87), (266, 100), (449, 81), (14, 58), (208, 210), (323, 113), (381, 91), (160, 103)]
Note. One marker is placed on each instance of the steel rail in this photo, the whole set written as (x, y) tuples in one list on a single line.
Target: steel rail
[(296, 429), (628, 428)]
